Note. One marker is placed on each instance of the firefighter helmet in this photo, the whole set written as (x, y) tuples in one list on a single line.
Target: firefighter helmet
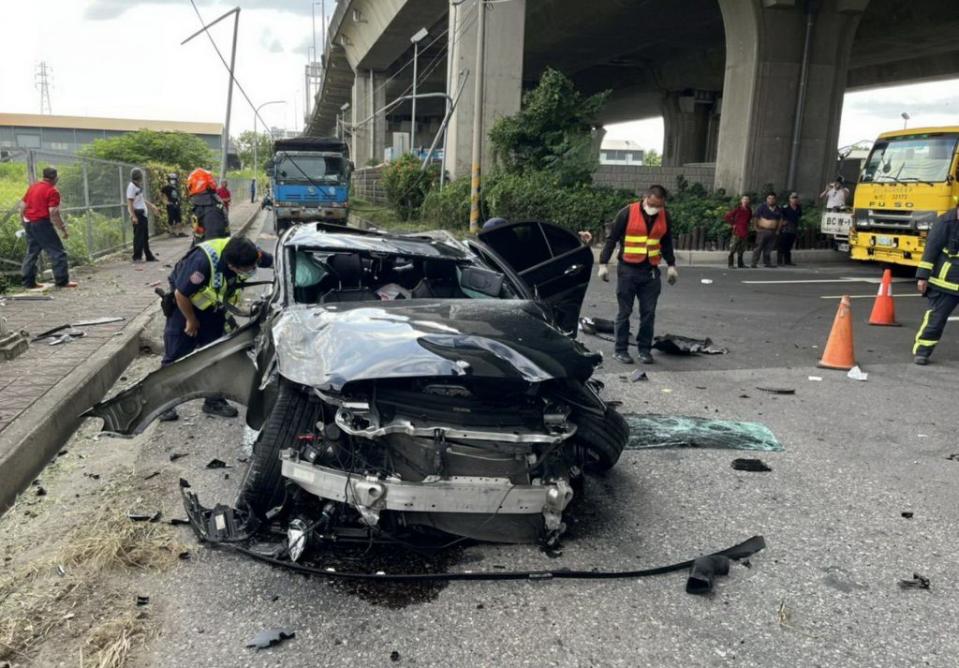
[(200, 181)]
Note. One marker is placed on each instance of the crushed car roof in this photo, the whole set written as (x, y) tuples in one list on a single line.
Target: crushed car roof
[(313, 236)]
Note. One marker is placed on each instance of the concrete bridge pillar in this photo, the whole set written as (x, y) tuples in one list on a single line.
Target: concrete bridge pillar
[(368, 97), (686, 119), (503, 75), (764, 56)]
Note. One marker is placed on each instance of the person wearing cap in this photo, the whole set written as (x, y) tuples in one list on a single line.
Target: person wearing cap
[(792, 215), (174, 215), (137, 205), (209, 215), (203, 283), (836, 195), (40, 213)]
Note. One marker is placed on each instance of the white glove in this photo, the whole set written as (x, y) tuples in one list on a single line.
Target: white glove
[(672, 275), (604, 273)]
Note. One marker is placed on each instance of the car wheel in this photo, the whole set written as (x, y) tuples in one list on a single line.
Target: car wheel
[(293, 414), (603, 437)]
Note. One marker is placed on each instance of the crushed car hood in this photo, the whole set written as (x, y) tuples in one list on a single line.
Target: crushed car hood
[(332, 345)]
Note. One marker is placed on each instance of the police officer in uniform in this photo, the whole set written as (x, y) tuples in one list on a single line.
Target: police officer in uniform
[(209, 216), (642, 231), (201, 284), (938, 279)]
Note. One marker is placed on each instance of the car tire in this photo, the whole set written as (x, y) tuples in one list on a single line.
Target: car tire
[(293, 414), (603, 437)]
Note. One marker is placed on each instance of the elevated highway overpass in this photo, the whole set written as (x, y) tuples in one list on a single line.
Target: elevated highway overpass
[(724, 74)]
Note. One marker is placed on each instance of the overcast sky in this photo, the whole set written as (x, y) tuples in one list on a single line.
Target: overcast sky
[(122, 58)]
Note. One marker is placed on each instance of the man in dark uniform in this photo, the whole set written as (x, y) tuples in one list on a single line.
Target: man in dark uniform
[(643, 232), (209, 216), (202, 282), (938, 279), (174, 215)]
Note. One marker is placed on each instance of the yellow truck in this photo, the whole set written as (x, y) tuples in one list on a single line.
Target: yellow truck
[(910, 178)]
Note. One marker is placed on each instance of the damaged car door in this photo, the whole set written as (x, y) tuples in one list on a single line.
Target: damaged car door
[(550, 260)]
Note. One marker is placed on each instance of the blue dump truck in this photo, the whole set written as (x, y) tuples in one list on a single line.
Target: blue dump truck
[(310, 178)]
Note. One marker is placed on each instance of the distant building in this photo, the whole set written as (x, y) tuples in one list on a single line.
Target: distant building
[(620, 152), (67, 134), (283, 133)]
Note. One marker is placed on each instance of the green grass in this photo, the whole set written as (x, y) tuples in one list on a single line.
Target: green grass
[(385, 217)]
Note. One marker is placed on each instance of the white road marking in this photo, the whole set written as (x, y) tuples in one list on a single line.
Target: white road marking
[(846, 279), (867, 296), (952, 317)]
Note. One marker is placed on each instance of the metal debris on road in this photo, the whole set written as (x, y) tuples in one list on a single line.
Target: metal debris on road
[(750, 464), (917, 582), (674, 344), (177, 455), (143, 600), (638, 375), (777, 390), (74, 325), (675, 431), (144, 517), (908, 514), (270, 637), (856, 373), (703, 573), (216, 464)]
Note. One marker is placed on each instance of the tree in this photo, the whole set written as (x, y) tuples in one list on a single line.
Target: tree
[(552, 132), (653, 158), (244, 147), (183, 150)]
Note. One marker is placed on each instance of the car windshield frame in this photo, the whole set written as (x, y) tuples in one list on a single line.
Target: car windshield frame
[(894, 159)]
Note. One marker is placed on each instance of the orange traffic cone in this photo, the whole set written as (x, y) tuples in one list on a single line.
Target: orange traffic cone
[(884, 309), (839, 352)]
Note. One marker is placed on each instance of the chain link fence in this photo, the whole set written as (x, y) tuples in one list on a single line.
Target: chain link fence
[(93, 204)]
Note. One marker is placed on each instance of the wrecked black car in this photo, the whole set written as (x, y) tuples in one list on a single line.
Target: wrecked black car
[(404, 385)]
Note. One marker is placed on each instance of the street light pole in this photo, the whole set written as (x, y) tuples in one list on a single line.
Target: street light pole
[(229, 91), (420, 34), (477, 117)]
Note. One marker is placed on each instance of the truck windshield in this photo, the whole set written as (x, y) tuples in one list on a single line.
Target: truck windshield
[(306, 168), (914, 158)]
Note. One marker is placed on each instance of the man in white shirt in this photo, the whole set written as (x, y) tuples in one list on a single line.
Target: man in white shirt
[(137, 205), (836, 195)]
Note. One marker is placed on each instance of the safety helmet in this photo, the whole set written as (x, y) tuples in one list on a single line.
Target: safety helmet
[(200, 181)]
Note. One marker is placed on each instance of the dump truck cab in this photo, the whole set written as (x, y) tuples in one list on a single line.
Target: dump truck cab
[(311, 181), (908, 181)]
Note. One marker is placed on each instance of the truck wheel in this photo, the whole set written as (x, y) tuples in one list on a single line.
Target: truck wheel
[(603, 437), (294, 413)]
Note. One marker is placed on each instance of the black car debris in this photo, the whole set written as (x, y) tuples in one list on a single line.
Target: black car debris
[(404, 385)]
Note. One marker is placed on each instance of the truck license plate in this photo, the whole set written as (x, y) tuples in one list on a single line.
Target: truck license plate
[(843, 248), (885, 241)]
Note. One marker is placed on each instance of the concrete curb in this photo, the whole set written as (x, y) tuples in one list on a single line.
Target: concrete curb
[(38, 433), (719, 258)]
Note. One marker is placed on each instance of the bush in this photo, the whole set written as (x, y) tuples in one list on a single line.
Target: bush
[(184, 150), (448, 208), (407, 185)]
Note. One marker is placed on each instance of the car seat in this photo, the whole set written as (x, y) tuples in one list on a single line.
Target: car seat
[(439, 281), (348, 269)]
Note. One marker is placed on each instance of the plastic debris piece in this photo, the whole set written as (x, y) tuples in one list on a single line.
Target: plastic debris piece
[(61, 571), (706, 281), (270, 637), (908, 514), (638, 375), (856, 373), (41, 491), (703, 573), (817, 379), (143, 600), (178, 521), (177, 455), (678, 431), (151, 475), (216, 464), (917, 582), (666, 390), (394, 656), (144, 517), (777, 390), (184, 556), (750, 464)]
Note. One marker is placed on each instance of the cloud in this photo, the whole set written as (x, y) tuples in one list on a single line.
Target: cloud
[(100, 10), (271, 42)]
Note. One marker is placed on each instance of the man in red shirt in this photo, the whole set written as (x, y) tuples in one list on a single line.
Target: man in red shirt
[(39, 212), (739, 218), (224, 194)]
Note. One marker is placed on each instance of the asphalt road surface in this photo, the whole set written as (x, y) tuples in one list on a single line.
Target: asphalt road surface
[(824, 593)]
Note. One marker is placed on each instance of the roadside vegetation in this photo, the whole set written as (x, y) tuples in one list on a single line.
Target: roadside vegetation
[(545, 156)]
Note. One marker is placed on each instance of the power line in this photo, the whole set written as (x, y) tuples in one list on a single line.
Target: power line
[(42, 78)]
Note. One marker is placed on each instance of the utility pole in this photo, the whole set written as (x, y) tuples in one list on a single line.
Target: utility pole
[(416, 39), (42, 78), (256, 137), (229, 91), (477, 117)]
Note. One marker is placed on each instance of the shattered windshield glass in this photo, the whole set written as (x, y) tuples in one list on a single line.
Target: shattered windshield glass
[(914, 158), (291, 167)]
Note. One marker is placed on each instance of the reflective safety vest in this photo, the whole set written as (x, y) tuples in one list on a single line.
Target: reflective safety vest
[(641, 244), (942, 269), (217, 290)]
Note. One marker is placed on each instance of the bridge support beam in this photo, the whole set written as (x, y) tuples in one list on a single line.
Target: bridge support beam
[(503, 75), (369, 139), (687, 118), (764, 56)]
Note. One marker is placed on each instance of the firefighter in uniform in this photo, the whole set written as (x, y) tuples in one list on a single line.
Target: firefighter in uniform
[(938, 279), (642, 231), (206, 279), (209, 217)]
